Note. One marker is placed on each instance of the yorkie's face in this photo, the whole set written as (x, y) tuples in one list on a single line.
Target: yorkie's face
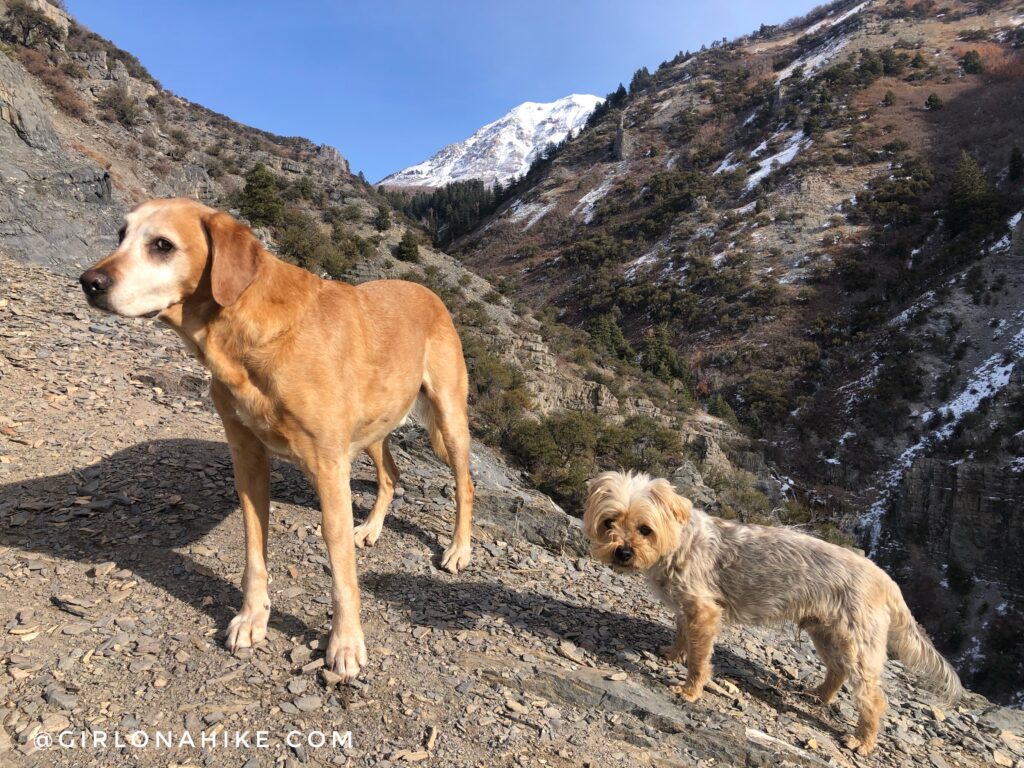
[(631, 520)]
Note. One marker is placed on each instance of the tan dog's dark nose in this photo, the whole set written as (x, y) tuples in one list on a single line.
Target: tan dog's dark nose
[(624, 555), (95, 283)]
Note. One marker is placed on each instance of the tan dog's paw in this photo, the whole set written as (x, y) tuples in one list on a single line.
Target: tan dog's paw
[(456, 557), (688, 691), (862, 748), (346, 653), (247, 628), (673, 653), (366, 535)]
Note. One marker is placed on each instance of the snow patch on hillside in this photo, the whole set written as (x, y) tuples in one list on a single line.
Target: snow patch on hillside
[(831, 22), (793, 146), (585, 206), (815, 59), (532, 212)]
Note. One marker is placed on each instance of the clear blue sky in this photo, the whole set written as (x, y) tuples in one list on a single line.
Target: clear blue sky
[(390, 82)]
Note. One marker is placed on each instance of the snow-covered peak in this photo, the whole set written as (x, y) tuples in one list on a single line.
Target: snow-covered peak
[(504, 149)]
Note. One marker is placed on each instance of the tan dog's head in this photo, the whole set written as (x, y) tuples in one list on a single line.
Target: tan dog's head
[(631, 520), (168, 251)]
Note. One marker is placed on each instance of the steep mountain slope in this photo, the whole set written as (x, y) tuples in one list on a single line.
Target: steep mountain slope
[(793, 210), (121, 550), (502, 150)]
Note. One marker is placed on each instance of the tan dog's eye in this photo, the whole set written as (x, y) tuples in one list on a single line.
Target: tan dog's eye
[(120, 234), (162, 245), (644, 530), (608, 524)]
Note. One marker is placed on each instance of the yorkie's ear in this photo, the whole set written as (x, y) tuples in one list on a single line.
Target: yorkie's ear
[(665, 495)]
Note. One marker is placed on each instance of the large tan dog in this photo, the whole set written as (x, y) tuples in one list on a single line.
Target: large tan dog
[(308, 369), (708, 570)]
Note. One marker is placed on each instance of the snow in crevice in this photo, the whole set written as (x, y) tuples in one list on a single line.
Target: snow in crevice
[(651, 257), (925, 302), (793, 146), (987, 380), (831, 22), (531, 212), (585, 206), (815, 59), (1003, 244), (727, 165)]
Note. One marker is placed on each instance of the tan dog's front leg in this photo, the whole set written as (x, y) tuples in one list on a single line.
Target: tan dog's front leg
[(346, 650), (252, 480), (677, 652), (703, 620)]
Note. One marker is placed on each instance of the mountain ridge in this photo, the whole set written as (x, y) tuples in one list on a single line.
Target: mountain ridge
[(503, 149)]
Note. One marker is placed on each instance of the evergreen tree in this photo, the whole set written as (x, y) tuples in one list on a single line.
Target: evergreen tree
[(660, 358), (971, 63), (970, 203), (889, 99), (933, 102), (382, 221), (607, 337), (641, 79), (261, 200), (1016, 164), (408, 247)]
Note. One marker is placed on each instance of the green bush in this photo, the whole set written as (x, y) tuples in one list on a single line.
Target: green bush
[(117, 105), (260, 200), (302, 242), (971, 63)]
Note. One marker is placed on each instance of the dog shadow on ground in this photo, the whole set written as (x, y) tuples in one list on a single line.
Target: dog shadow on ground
[(134, 508)]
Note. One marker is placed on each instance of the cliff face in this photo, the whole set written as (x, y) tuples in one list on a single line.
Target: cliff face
[(954, 533)]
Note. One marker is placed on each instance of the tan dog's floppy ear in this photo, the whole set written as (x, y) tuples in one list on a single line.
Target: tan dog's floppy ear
[(663, 493), (234, 257)]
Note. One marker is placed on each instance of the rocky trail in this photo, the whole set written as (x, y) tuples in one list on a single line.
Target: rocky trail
[(120, 559)]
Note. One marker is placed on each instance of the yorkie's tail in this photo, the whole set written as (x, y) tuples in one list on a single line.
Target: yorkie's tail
[(908, 642)]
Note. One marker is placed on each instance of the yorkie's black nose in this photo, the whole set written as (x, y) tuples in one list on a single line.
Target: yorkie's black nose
[(624, 555), (95, 283)]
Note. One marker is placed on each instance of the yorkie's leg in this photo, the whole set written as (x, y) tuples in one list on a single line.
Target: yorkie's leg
[(867, 693), (677, 652), (703, 621), (834, 651)]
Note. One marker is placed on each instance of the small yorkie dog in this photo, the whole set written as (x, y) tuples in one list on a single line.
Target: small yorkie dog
[(709, 570)]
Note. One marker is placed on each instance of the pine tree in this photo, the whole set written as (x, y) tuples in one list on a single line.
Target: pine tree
[(970, 201), (660, 358), (261, 201), (889, 99), (641, 79), (933, 102), (382, 221), (408, 247), (971, 63), (1016, 164)]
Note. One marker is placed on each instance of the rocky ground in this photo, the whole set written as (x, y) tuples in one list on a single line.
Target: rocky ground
[(120, 558)]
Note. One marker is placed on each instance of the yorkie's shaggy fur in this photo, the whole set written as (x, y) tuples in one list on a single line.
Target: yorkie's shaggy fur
[(709, 570)]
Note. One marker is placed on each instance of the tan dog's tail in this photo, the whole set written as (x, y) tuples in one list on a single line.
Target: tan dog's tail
[(426, 415), (909, 643)]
